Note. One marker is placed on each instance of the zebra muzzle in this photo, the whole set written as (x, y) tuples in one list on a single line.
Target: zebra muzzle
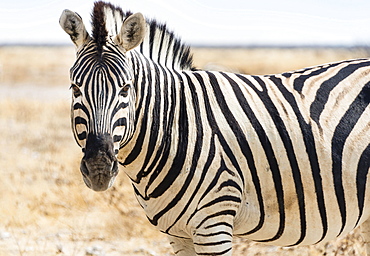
[(99, 166)]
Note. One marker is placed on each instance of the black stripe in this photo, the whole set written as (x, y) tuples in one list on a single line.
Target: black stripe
[(215, 180), (230, 184), (79, 106), (163, 149), (215, 132), (105, 95), (83, 63), (170, 41), (80, 120), (214, 253), (267, 146), (152, 32), (215, 215), (117, 138), (146, 79), (117, 108), (299, 82), (222, 223), (112, 72), (140, 88), (274, 167), (82, 136), (91, 87), (361, 178), (211, 156), (341, 133), (220, 242), (117, 67), (161, 43), (214, 234), (182, 147), (89, 77), (198, 147), (221, 199), (211, 187), (120, 122), (178, 161), (142, 47), (289, 149), (233, 124), (155, 122), (175, 52), (213, 124), (309, 141), (326, 87)]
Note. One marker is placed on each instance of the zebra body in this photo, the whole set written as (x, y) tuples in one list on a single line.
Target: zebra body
[(259, 166), (281, 159)]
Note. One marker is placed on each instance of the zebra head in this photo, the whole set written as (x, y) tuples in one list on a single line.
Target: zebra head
[(103, 100)]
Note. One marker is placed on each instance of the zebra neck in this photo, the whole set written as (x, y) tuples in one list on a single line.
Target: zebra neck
[(158, 110)]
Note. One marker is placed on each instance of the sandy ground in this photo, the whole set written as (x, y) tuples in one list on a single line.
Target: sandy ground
[(46, 209)]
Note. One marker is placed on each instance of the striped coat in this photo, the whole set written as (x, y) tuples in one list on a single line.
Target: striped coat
[(280, 159)]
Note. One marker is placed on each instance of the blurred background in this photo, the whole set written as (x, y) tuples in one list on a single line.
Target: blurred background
[(45, 208)]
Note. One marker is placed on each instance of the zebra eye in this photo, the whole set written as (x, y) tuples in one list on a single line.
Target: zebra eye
[(76, 90), (124, 90)]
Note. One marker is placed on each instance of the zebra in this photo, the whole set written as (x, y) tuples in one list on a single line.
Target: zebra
[(279, 159)]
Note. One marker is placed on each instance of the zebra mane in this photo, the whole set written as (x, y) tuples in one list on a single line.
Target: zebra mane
[(159, 44)]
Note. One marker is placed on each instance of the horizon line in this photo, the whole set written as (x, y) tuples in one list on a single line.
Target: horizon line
[(213, 46)]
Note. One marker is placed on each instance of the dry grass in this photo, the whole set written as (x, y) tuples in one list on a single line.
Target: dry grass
[(46, 208), (261, 61), (37, 65)]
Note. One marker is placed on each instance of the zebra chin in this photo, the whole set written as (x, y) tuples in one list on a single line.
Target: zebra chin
[(99, 166)]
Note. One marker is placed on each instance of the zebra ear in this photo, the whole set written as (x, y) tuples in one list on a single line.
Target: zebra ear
[(73, 25), (132, 32)]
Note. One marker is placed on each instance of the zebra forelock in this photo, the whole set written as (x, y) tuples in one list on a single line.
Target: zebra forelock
[(99, 31), (106, 20)]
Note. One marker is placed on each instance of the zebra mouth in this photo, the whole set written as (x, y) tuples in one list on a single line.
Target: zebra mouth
[(97, 177), (99, 166)]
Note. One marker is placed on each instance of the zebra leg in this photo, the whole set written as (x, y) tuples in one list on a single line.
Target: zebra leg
[(365, 233), (182, 246), (214, 238)]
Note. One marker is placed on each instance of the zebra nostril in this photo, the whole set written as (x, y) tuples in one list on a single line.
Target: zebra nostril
[(83, 168), (115, 167)]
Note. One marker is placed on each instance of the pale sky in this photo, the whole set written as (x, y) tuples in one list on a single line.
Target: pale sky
[(206, 22)]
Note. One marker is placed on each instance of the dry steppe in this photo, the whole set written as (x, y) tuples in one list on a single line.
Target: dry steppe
[(46, 209)]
